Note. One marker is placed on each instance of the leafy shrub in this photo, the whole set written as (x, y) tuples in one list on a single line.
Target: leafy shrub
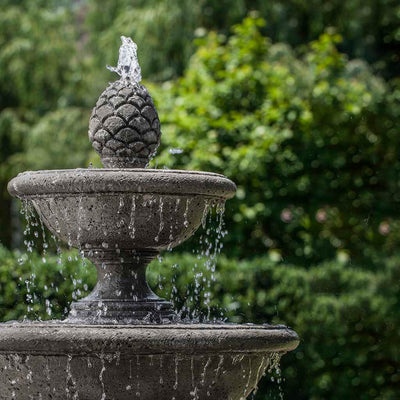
[(348, 319), (41, 71), (36, 287), (310, 142)]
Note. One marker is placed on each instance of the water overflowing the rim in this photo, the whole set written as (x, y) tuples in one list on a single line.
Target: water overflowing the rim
[(135, 180)]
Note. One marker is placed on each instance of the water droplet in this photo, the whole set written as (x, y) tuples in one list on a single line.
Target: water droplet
[(175, 151)]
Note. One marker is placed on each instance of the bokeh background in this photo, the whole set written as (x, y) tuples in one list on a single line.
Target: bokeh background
[(297, 101)]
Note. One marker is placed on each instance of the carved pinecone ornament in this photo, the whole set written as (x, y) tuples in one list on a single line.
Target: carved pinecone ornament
[(124, 127)]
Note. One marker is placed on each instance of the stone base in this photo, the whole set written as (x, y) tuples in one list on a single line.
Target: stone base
[(164, 362), (117, 312), (122, 295)]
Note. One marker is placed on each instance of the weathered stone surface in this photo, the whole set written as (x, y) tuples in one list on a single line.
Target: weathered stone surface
[(162, 362), (31, 184), (122, 219), (125, 112), (121, 295), (127, 209)]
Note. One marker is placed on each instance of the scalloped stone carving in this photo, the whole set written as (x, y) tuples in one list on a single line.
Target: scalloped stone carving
[(124, 127)]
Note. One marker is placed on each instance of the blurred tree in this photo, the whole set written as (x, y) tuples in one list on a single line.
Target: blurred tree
[(38, 58), (57, 141), (310, 142), (39, 72), (165, 29)]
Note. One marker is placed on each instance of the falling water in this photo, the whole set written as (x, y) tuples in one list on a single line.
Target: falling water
[(161, 225), (137, 376), (161, 380), (175, 151), (36, 237), (206, 251), (203, 374), (103, 368), (275, 372), (260, 372), (30, 234), (70, 388), (193, 392), (176, 372), (209, 246), (132, 221), (188, 371), (199, 378)]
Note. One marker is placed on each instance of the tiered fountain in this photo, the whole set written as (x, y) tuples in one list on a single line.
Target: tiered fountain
[(122, 341)]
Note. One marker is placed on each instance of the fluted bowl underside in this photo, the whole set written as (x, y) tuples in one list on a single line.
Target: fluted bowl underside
[(214, 362), (122, 208)]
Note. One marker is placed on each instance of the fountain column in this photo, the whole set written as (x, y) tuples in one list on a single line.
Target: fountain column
[(122, 294)]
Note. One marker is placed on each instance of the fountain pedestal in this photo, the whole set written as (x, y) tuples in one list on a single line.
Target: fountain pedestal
[(122, 294)]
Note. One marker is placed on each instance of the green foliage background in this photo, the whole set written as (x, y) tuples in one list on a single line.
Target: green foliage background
[(296, 101)]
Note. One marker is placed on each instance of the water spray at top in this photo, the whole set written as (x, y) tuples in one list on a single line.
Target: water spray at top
[(128, 67)]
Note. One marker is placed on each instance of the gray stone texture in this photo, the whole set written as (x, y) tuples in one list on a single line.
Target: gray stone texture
[(124, 127), (214, 362), (131, 209)]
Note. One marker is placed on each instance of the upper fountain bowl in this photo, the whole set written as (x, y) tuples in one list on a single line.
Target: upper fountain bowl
[(143, 209)]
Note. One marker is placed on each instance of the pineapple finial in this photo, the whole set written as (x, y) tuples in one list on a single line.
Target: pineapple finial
[(124, 127)]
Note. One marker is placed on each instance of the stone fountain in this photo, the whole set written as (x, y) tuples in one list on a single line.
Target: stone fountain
[(122, 341)]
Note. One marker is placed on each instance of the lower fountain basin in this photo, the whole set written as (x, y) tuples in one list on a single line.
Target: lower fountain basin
[(163, 362)]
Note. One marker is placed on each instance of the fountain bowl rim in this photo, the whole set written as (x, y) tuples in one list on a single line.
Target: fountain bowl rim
[(64, 182), (61, 338)]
